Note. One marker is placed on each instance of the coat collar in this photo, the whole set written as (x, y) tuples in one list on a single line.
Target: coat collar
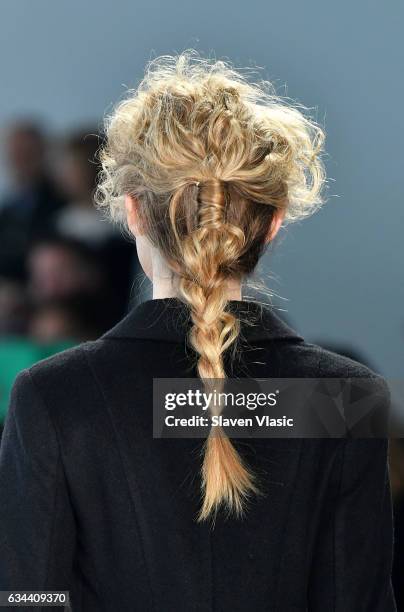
[(167, 319)]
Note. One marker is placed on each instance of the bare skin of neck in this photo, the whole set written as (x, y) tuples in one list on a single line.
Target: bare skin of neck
[(165, 282)]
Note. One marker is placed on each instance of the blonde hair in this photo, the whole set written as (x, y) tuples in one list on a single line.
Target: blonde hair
[(210, 156)]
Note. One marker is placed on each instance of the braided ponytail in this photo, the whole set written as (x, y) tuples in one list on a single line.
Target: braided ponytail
[(207, 253), (194, 120)]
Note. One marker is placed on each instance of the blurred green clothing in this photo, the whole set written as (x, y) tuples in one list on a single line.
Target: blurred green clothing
[(17, 354)]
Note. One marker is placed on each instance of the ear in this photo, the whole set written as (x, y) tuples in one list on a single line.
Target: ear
[(132, 216), (275, 226)]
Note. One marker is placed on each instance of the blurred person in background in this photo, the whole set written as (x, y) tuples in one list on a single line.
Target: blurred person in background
[(82, 221), (59, 259), (14, 309), (77, 173), (62, 268), (77, 319), (28, 210), (66, 300), (58, 267)]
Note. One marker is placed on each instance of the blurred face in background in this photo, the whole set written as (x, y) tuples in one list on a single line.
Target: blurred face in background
[(14, 311), (57, 271), (76, 177), (25, 154), (52, 324), (78, 167), (65, 319)]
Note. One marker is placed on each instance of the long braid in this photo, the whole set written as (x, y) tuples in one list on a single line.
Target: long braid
[(191, 119), (207, 253)]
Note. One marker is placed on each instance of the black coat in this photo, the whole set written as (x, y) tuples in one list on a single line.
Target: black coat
[(91, 503)]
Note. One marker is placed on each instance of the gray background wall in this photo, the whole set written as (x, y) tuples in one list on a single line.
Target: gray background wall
[(340, 272)]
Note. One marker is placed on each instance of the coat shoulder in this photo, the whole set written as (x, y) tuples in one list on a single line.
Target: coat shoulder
[(334, 365), (68, 369), (312, 360), (66, 385)]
